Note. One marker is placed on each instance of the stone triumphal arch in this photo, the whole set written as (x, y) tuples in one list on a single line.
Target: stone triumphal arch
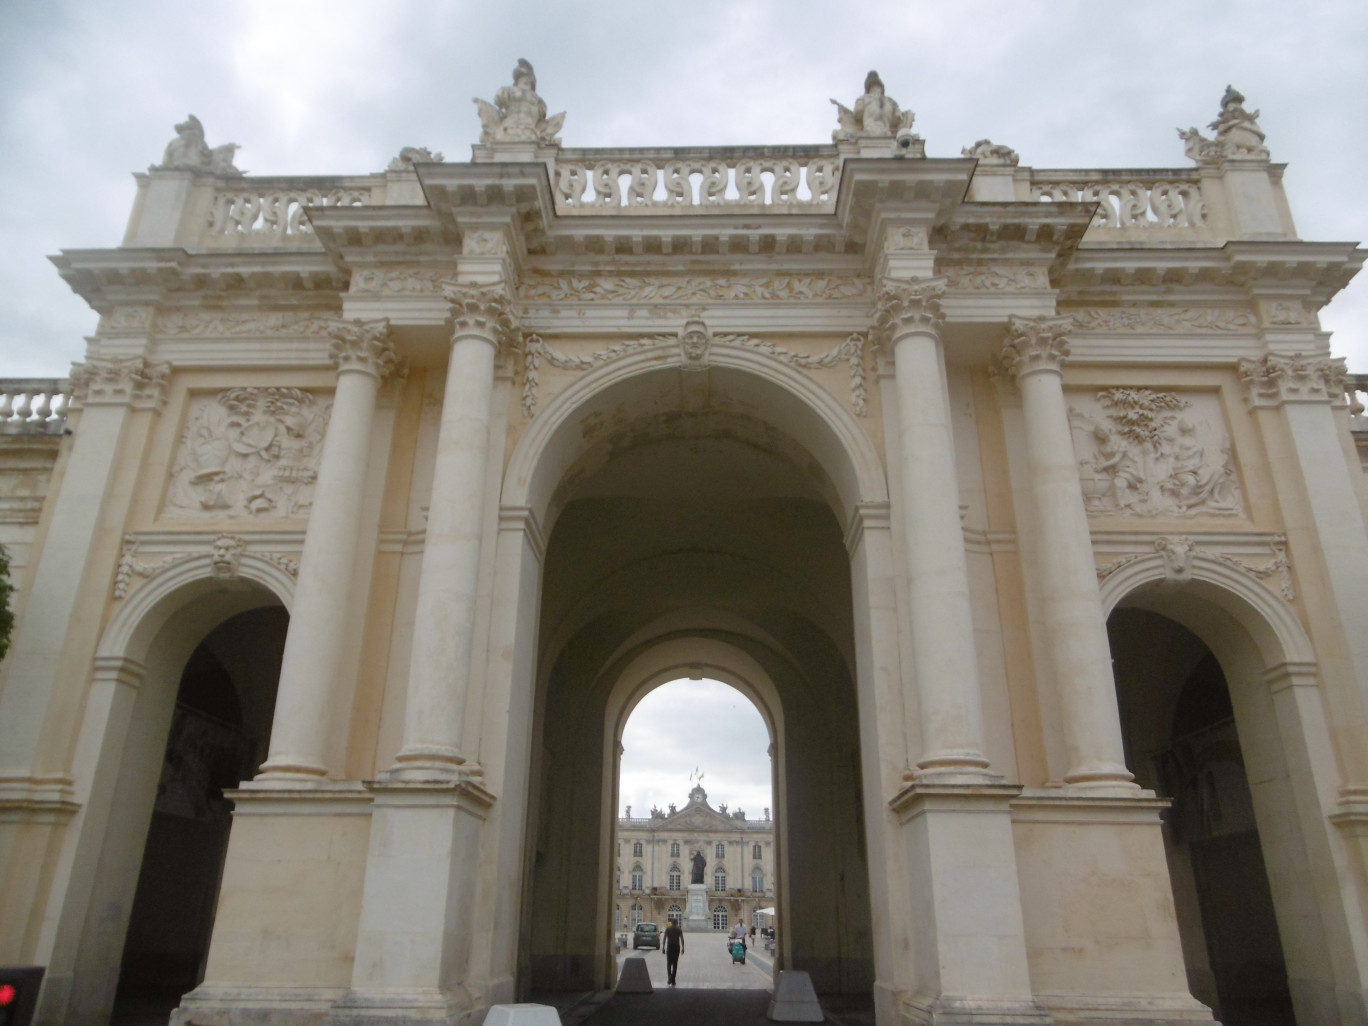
[(1024, 504)]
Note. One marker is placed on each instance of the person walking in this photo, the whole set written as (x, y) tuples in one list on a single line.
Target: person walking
[(674, 947)]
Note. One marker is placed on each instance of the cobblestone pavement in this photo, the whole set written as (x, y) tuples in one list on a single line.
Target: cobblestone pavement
[(707, 964)]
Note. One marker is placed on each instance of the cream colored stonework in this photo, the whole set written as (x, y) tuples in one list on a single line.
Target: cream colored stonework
[(968, 474)]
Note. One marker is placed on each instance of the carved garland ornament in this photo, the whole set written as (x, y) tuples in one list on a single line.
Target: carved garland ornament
[(694, 342), (225, 553), (238, 324), (1179, 550)]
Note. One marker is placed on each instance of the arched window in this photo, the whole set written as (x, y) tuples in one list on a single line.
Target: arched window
[(637, 914), (675, 878), (720, 917), (720, 880), (674, 849), (636, 849), (637, 878), (721, 850), (758, 880), (675, 914), (755, 851)]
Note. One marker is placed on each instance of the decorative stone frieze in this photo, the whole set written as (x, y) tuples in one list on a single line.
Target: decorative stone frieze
[(665, 289), (402, 280), (241, 324), (1164, 319), (903, 306), (694, 343), (126, 319), (365, 346), (248, 452), (1275, 379), (482, 242), (1035, 344), (904, 237), (1143, 453), (482, 310), (120, 380), (1000, 278)]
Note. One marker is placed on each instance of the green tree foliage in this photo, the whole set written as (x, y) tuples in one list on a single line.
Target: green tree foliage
[(6, 614)]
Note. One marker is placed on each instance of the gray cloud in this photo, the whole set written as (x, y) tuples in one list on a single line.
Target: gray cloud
[(686, 725), (89, 92)]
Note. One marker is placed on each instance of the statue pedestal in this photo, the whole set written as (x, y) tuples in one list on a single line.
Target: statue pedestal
[(697, 918)]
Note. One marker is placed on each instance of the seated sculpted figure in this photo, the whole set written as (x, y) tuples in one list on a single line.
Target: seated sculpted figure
[(518, 114), (875, 114), (189, 151)]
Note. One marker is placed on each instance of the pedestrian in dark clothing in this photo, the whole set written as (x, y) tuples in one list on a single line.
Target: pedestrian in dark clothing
[(674, 947)]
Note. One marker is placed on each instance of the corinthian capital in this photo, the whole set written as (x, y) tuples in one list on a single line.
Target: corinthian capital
[(483, 310), (365, 346), (1035, 344), (903, 306), (115, 381), (1276, 379)]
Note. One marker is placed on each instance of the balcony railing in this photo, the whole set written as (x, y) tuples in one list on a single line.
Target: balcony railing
[(34, 406)]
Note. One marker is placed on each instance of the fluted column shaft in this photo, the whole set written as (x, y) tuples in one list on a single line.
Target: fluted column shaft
[(311, 664), (910, 319), (1076, 629), (439, 666)]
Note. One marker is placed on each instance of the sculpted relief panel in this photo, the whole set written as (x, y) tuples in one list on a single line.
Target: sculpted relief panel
[(1144, 453), (248, 452)]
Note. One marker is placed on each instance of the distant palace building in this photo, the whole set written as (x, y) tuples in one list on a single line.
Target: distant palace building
[(653, 863)]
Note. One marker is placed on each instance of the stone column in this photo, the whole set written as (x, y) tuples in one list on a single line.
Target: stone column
[(439, 667), (909, 318), (363, 355), (1077, 631)]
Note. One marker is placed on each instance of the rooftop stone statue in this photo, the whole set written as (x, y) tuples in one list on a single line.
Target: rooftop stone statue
[(189, 151), (876, 115), (518, 114), (1238, 134)]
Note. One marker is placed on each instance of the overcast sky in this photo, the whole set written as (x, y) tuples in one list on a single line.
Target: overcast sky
[(695, 725), (90, 92)]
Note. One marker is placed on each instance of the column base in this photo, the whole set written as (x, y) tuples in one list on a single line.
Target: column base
[(242, 1005), (1123, 1010), (418, 1007), (969, 960), (949, 1010)]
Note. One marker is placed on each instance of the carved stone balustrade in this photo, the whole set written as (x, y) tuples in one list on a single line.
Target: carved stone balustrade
[(1130, 202), (34, 406), (605, 181), (265, 213)]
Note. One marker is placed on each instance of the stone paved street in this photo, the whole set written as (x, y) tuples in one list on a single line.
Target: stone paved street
[(706, 964)]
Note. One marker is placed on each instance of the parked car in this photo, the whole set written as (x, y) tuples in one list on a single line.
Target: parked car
[(646, 935)]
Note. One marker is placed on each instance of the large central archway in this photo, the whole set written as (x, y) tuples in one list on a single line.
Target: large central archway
[(697, 523)]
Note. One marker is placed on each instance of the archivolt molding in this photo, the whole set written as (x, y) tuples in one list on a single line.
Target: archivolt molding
[(226, 556), (1234, 590), (694, 343), (196, 572), (1180, 555), (861, 478)]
